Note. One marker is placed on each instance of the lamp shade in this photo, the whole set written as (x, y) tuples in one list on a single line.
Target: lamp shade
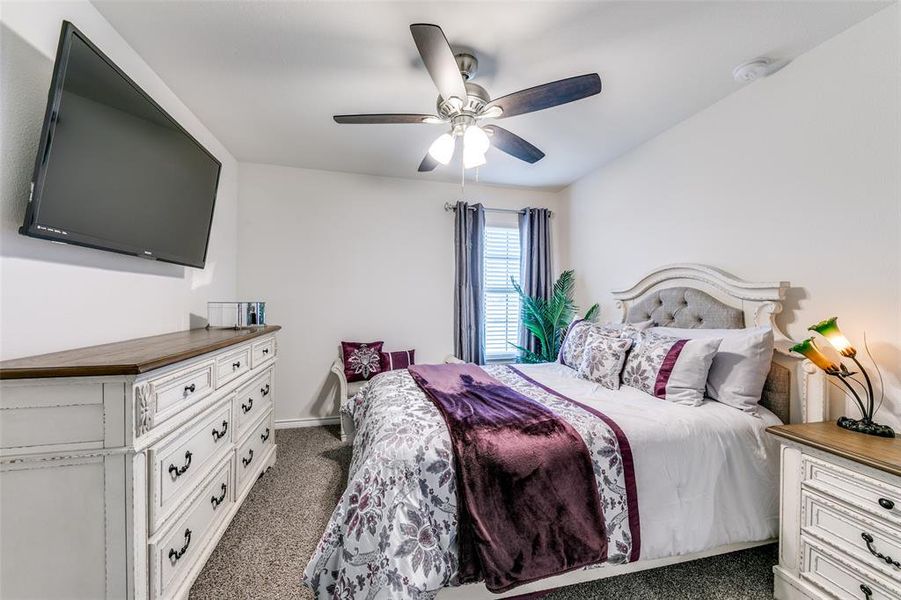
[(809, 350), (442, 149), (829, 330), (475, 139)]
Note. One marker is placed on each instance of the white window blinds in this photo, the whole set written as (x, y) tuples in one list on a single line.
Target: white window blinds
[(501, 300)]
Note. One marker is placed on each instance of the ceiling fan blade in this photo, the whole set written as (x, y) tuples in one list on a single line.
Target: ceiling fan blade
[(548, 95), (439, 60), (376, 119), (513, 145), (428, 163)]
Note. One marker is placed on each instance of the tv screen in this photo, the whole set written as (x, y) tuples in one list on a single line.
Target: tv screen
[(114, 171)]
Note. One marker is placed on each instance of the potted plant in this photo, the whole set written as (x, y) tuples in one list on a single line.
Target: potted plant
[(548, 320)]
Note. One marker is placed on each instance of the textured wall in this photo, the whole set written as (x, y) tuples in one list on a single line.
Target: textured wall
[(795, 177), (54, 297)]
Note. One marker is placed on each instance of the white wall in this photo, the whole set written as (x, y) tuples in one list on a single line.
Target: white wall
[(55, 297), (796, 177), (351, 257)]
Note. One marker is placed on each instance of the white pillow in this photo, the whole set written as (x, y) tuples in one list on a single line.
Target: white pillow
[(740, 366), (670, 368), (603, 358)]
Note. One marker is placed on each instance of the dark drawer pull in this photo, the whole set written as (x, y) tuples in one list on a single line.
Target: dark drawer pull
[(179, 471), (217, 501), (264, 436), (265, 350), (247, 460), (246, 407), (265, 390), (218, 435), (189, 389), (887, 559), (886, 503), (174, 554), (236, 365), (867, 592)]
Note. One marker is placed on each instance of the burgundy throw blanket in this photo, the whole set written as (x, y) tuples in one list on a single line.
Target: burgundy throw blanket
[(528, 500)]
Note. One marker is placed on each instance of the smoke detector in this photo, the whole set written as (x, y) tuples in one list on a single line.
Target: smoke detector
[(755, 69)]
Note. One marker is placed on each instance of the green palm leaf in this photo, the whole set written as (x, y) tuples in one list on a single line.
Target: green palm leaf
[(548, 319)]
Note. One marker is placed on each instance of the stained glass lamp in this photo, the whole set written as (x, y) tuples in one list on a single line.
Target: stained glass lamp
[(808, 348)]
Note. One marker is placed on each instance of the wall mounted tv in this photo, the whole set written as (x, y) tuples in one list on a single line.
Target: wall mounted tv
[(114, 171)]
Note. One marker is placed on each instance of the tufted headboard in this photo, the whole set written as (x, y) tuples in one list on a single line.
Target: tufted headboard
[(697, 296), (686, 308)]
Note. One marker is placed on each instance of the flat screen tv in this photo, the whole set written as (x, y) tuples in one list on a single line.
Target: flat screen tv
[(114, 171)]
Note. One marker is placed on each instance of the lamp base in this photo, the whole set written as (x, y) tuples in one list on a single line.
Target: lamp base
[(865, 426)]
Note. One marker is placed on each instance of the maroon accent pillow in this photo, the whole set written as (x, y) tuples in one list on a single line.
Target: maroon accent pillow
[(362, 360), (397, 360)]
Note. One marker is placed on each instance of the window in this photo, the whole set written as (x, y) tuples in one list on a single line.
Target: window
[(501, 300)]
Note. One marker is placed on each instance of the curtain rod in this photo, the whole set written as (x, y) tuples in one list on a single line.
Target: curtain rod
[(450, 208)]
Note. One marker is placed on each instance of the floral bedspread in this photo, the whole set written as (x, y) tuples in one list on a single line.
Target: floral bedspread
[(393, 532)]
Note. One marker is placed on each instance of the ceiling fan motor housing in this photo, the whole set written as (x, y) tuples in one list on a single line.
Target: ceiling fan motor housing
[(476, 99)]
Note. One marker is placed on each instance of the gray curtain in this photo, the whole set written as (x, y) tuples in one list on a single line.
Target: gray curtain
[(469, 310), (535, 271)]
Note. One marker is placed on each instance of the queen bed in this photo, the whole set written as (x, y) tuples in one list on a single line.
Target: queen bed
[(673, 482)]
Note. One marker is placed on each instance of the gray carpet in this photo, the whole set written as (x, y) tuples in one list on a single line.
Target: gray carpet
[(267, 545)]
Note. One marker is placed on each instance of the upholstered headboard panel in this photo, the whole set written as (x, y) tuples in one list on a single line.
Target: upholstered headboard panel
[(686, 308), (689, 308)]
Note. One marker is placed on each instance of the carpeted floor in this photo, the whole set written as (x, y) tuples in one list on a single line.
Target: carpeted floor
[(267, 545)]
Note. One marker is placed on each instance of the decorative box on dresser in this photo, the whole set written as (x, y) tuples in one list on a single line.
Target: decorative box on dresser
[(840, 530), (122, 465)]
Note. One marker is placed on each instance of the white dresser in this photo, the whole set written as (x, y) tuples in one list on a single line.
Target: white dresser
[(122, 465), (840, 531)]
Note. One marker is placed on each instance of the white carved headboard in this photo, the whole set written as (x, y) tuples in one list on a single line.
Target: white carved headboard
[(757, 302)]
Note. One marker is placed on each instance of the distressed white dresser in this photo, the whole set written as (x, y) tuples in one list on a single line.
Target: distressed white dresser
[(122, 465), (840, 530)]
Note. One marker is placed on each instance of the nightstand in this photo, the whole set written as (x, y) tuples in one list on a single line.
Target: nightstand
[(840, 514)]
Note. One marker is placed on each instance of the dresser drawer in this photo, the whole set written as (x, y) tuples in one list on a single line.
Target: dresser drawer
[(251, 401), (262, 351), (183, 459), (849, 531), (861, 491), (253, 451), (843, 578), (170, 393), (232, 365), (179, 548)]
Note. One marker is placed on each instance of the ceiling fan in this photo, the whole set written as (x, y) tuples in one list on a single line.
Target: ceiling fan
[(462, 104)]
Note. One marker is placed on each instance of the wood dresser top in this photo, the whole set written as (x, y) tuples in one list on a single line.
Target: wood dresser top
[(880, 453), (131, 357)]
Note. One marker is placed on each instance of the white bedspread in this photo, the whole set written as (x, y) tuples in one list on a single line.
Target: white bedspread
[(707, 476)]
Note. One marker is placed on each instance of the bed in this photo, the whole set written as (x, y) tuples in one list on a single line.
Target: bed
[(394, 531)]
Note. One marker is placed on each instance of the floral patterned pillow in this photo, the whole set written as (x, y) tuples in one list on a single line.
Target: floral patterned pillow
[(603, 358), (573, 346), (670, 368), (362, 360)]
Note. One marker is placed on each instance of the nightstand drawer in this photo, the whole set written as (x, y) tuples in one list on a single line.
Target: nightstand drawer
[(842, 578), (876, 497), (852, 532)]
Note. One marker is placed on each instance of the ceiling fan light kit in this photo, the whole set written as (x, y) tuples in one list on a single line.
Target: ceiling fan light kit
[(462, 104)]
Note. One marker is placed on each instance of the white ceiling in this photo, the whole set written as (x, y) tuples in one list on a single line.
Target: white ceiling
[(266, 77)]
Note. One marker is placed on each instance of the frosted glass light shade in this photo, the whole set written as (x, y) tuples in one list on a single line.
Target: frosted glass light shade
[(475, 139), (442, 149), (472, 158)]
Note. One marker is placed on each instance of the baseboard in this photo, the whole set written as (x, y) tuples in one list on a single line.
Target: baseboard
[(306, 422)]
